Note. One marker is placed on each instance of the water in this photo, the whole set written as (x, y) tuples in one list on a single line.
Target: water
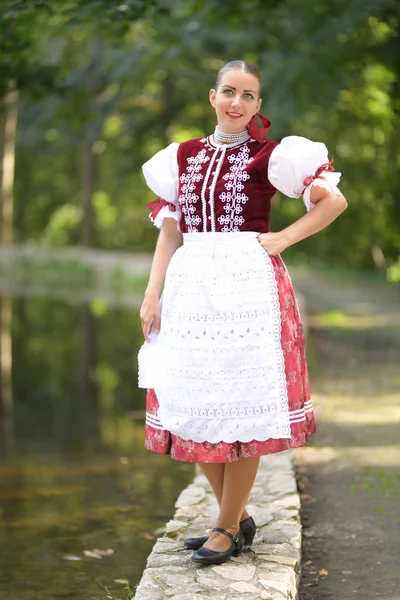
[(75, 478)]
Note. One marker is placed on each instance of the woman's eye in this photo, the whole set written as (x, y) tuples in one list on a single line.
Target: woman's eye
[(249, 96), (227, 91)]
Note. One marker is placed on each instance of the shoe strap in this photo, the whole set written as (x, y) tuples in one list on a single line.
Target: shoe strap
[(228, 533)]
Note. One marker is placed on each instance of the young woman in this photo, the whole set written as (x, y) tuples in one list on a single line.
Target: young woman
[(223, 360)]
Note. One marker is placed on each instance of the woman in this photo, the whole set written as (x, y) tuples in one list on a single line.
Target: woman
[(224, 360)]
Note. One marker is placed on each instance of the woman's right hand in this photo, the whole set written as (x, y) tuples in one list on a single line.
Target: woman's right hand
[(150, 315)]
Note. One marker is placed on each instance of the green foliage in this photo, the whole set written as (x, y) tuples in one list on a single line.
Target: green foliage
[(126, 78), (62, 226), (394, 271)]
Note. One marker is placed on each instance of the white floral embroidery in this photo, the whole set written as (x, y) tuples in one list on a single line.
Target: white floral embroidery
[(188, 198), (220, 367), (234, 198)]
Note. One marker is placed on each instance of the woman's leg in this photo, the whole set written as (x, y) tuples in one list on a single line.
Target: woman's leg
[(215, 476), (238, 481)]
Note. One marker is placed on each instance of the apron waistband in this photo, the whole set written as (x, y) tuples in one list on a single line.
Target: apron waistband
[(220, 236)]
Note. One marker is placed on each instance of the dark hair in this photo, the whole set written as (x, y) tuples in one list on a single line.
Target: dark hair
[(241, 65)]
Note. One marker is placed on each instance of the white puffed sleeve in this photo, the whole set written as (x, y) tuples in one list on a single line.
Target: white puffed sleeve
[(161, 174), (293, 165)]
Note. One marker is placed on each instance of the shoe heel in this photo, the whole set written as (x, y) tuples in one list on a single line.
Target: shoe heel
[(248, 528), (239, 547), (249, 541)]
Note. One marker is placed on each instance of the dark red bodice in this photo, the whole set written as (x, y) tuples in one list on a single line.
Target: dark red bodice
[(227, 188)]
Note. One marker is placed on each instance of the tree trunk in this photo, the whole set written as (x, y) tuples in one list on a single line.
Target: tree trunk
[(89, 409), (89, 159), (88, 181), (7, 168)]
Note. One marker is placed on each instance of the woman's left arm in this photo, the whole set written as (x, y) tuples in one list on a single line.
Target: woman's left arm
[(327, 207)]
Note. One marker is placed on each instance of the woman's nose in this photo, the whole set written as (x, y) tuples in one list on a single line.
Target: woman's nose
[(236, 101)]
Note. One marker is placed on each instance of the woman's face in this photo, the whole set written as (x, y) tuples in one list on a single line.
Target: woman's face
[(236, 100)]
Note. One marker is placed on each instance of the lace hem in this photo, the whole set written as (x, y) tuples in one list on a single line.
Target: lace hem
[(165, 213), (329, 182)]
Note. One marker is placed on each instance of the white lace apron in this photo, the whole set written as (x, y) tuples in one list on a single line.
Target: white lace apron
[(217, 365)]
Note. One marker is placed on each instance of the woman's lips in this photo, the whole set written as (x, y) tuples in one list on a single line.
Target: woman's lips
[(234, 116)]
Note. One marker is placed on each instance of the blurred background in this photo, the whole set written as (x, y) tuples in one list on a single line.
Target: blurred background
[(89, 90)]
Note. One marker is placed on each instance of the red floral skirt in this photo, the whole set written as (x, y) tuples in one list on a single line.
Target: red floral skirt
[(301, 413)]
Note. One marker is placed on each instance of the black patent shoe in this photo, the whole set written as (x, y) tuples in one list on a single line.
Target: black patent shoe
[(205, 556), (247, 527)]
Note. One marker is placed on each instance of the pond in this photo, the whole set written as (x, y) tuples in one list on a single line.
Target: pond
[(81, 500)]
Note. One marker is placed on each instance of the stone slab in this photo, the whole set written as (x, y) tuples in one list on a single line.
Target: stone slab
[(270, 570)]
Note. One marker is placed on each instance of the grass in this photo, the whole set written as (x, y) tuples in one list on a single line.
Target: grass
[(108, 595), (354, 365), (377, 481)]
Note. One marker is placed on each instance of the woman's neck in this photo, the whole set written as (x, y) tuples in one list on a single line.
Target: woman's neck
[(222, 137)]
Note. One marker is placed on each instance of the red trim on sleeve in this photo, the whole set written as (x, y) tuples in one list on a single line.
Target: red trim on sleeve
[(156, 205), (327, 167)]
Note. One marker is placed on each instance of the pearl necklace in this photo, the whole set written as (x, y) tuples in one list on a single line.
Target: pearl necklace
[(231, 138)]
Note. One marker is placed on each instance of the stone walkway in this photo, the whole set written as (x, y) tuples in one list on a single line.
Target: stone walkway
[(269, 570)]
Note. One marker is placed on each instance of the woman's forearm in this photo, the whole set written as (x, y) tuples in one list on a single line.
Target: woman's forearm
[(169, 240), (328, 207)]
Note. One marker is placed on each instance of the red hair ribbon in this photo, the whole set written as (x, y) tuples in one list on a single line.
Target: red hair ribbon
[(257, 132), (327, 167), (156, 205)]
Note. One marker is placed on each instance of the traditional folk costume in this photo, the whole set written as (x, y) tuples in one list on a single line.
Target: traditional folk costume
[(226, 376)]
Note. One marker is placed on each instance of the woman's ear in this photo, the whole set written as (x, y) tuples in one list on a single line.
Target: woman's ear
[(212, 97), (259, 104)]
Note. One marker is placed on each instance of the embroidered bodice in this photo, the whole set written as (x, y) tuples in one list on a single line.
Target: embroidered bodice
[(209, 187)]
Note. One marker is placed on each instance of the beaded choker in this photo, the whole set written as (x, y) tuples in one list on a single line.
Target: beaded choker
[(231, 138)]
